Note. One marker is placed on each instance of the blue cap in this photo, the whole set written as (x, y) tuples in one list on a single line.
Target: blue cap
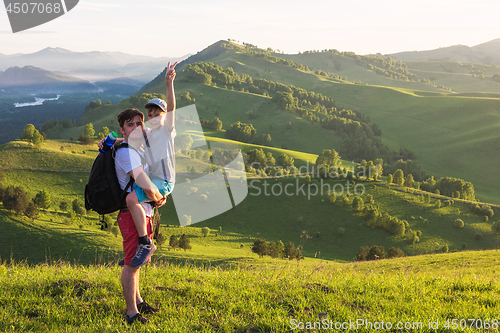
[(157, 102)]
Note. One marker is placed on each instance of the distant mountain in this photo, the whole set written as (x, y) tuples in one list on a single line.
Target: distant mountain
[(90, 66), (34, 78), (487, 53)]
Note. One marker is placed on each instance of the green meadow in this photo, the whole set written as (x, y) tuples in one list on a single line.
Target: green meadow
[(444, 293)]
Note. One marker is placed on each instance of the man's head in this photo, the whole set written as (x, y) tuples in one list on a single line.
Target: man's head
[(156, 111), (129, 120)]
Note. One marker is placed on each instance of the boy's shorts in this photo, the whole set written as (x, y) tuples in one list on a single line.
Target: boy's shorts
[(164, 187), (130, 235)]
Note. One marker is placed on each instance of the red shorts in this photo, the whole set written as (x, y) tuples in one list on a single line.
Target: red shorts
[(130, 235)]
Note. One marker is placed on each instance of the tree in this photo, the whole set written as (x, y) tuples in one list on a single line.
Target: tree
[(395, 252), (205, 231), (89, 130), (375, 252), (77, 207), (42, 200), (459, 223), (409, 181), (357, 204), (183, 142), (328, 157), (495, 227), (31, 211), (160, 239), (63, 206), (241, 132), (279, 249), (427, 198), (259, 247), (16, 199), (173, 243), (184, 242), (412, 237), (37, 138), (389, 179), (398, 177), (216, 124), (103, 133), (362, 253), (271, 249), (285, 161), (291, 252), (28, 132)]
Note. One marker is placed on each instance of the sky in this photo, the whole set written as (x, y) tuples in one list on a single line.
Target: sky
[(163, 28)]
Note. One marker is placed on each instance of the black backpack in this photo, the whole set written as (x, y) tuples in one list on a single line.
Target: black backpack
[(103, 193)]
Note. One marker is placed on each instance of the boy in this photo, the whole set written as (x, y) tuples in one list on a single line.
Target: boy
[(159, 152)]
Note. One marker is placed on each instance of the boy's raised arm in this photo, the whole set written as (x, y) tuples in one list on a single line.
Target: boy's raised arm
[(169, 82)]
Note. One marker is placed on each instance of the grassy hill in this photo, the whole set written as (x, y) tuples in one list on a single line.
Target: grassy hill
[(448, 132), (275, 209), (429, 293)]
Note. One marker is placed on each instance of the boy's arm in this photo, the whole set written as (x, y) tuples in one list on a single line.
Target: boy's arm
[(145, 183), (169, 82)]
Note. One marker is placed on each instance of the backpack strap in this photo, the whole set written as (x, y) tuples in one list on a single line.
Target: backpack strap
[(126, 145)]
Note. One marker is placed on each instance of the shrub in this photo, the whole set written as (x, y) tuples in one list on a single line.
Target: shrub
[(478, 236), (376, 252), (395, 252), (445, 248), (459, 223), (362, 253), (205, 231)]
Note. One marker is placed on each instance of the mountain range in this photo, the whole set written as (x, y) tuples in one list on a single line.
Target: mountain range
[(486, 53), (91, 66)]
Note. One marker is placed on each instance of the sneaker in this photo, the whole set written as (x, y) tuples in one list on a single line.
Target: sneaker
[(146, 308), (143, 253), (137, 317)]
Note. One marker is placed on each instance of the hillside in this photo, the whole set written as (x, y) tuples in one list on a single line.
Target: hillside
[(447, 139), (335, 231)]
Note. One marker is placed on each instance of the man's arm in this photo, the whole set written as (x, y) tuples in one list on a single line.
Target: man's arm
[(142, 179), (169, 82)]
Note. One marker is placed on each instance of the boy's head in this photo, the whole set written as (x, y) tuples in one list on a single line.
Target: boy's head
[(129, 120), (156, 111)]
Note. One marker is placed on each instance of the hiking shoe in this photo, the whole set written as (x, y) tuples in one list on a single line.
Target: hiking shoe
[(146, 308), (137, 317), (143, 253), (121, 263)]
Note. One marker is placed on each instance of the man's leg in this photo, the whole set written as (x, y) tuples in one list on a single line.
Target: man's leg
[(130, 284)]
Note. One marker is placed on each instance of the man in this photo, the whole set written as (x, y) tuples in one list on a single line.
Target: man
[(128, 164)]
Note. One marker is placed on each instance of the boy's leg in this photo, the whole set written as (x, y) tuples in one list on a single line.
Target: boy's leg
[(145, 247), (138, 215)]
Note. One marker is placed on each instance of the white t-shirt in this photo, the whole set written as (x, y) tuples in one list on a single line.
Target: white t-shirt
[(127, 160), (160, 155)]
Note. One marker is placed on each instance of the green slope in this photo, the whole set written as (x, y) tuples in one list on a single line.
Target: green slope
[(449, 133)]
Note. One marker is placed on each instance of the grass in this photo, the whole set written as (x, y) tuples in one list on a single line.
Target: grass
[(273, 297)]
